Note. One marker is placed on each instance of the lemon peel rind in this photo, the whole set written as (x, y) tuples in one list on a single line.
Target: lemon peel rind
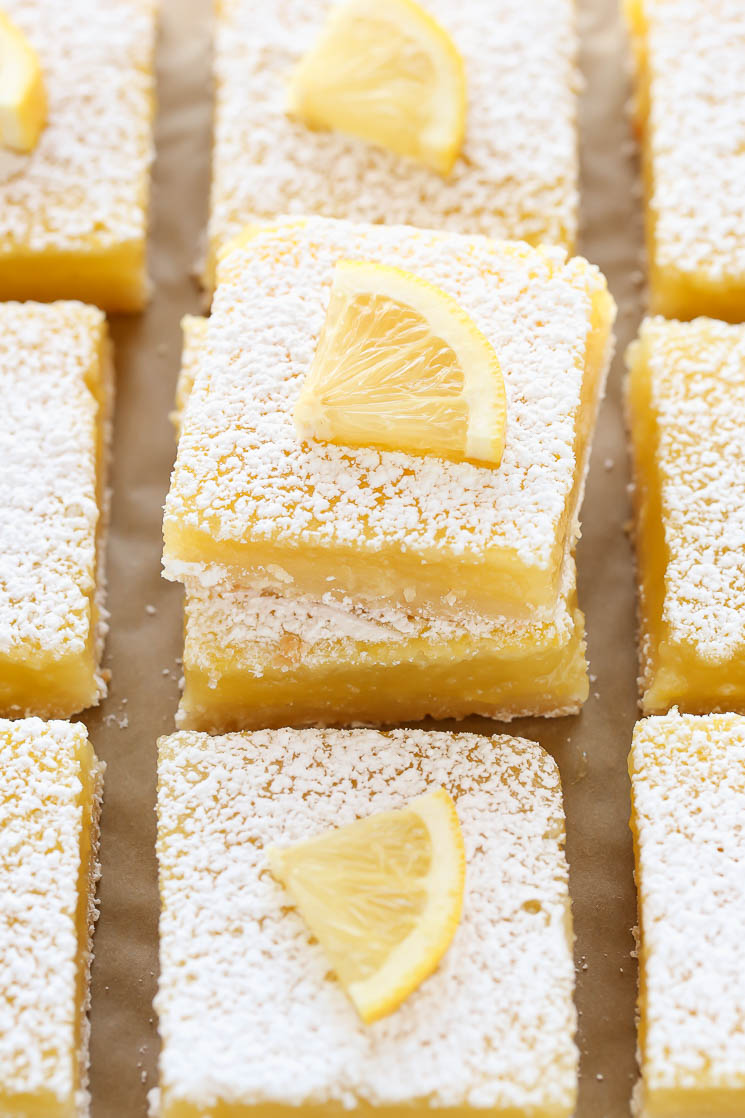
[(444, 909)]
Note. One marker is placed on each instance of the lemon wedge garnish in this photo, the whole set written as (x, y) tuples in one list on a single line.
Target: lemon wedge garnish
[(383, 897), (385, 71), (399, 365), (23, 102)]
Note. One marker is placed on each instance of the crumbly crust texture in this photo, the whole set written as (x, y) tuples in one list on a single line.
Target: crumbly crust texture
[(492, 1028), (241, 621), (41, 817), (48, 447), (696, 134), (688, 790), (696, 377), (242, 472), (517, 176), (85, 183)]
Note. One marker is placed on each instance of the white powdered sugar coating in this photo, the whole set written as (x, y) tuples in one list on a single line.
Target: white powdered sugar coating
[(688, 787), (84, 186), (49, 514), (42, 815), (242, 472), (493, 1027), (246, 623), (696, 135), (697, 394), (517, 173)]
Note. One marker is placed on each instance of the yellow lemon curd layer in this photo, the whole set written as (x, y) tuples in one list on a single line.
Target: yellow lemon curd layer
[(74, 210), (49, 807), (56, 388), (490, 1031), (251, 504), (688, 791), (685, 395), (688, 109)]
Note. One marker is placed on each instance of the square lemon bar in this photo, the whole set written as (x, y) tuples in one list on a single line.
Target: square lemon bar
[(251, 504), (686, 399), (491, 1030), (55, 398), (73, 212), (688, 803), (254, 660), (690, 109), (50, 798), (517, 173)]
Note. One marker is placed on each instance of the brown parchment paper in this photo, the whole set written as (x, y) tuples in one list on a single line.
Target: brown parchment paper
[(145, 639)]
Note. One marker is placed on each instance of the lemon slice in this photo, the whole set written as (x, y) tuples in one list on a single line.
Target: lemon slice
[(385, 71), (23, 102), (399, 365), (383, 897)]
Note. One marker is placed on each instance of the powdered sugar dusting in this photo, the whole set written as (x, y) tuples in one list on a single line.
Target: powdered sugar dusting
[(492, 1028), (84, 186), (696, 135), (242, 473), (49, 372), (688, 785), (42, 815), (516, 177), (697, 393)]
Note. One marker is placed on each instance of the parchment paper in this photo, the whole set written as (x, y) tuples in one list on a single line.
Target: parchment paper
[(145, 639)]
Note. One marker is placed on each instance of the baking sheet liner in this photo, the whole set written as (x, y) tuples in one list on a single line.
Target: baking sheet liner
[(144, 644)]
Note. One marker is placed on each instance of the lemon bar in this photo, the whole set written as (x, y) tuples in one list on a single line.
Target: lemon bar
[(686, 395), (251, 504), (492, 1029), (517, 173), (50, 797), (253, 660), (73, 212), (55, 398), (688, 802), (690, 109)]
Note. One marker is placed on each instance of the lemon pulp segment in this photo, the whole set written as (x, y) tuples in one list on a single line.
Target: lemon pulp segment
[(23, 102), (387, 72), (382, 895), (400, 366)]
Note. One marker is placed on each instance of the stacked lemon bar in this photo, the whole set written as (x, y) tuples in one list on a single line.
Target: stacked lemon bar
[(50, 794), (75, 149), (55, 398), (458, 115), (341, 580), (369, 922), (689, 95), (688, 803)]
